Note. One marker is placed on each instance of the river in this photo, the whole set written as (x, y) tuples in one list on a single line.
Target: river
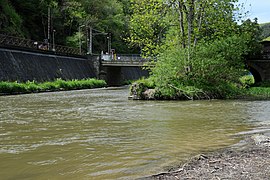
[(100, 134)]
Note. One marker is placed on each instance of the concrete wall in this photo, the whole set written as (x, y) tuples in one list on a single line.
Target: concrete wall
[(18, 65), (22, 65)]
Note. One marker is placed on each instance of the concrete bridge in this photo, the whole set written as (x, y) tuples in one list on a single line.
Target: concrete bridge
[(259, 66), (118, 68)]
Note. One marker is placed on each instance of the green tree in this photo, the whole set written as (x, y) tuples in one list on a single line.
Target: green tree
[(147, 23), (203, 50), (31, 19), (10, 21)]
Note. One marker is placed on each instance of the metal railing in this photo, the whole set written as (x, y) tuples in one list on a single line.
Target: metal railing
[(125, 60), (13, 41)]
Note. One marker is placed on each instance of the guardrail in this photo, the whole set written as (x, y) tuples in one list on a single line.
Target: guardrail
[(125, 60), (37, 45)]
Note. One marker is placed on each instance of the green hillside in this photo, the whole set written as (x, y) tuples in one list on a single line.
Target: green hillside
[(265, 31)]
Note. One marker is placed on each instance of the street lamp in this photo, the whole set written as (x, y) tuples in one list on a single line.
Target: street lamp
[(80, 40), (109, 43), (53, 40), (90, 40)]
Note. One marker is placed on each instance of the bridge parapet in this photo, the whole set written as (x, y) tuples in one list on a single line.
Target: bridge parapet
[(124, 60), (264, 55)]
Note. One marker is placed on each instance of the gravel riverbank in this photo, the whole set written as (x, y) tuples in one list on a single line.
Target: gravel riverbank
[(249, 161)]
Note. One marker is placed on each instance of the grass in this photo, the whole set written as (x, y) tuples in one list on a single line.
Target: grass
[(57, 85), (267, 39), (260, 93)]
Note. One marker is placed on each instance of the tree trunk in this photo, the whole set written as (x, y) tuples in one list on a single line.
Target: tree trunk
[(181, 22)]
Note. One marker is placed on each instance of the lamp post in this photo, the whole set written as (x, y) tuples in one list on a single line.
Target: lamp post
[(53, 40), (49, 28), (80, 40), (109, 43), (90, 40)]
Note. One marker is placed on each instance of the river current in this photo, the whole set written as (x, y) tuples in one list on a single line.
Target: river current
[(100, 134)]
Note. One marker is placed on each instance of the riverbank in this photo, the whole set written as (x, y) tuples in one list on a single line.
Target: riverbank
[(11, 88), (249, 161), (141, 90)]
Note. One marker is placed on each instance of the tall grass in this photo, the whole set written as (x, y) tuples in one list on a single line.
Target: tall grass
[(258, 93), (57, 85)]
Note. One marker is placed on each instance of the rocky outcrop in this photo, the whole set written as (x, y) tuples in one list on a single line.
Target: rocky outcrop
[(139, 91)]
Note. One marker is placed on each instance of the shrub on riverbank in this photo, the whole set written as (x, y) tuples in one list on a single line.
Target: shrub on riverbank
[(57, 85), (213, 70)]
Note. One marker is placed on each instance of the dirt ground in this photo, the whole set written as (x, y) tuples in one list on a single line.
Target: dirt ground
[(251, 161)]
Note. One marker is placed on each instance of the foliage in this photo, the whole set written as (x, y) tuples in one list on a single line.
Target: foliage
[(203, 48), (267, 39), (59, 84), (265, 30), (251, 32), (258, 93), (10, 20), (146, 24), (189, 21), (215, 66), (247, 80), (147, 82), (30, 19)]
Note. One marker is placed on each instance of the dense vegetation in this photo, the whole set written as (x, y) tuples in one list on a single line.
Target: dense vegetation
[(199, 45), (266, 31), (57, 85), (30, 19)]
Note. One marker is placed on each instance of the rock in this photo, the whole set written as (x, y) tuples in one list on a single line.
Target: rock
[(260, 139), (149, 94), (136, 91), (139, 91)]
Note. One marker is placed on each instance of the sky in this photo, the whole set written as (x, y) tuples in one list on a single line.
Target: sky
[(258, 8)]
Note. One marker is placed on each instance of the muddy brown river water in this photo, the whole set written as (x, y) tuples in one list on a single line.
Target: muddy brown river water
[(100, 134)]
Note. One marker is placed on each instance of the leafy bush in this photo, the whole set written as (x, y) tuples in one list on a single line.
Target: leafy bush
[(211, 71), (247, 80)]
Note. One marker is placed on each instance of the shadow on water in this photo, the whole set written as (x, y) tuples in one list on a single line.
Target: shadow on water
[(100, 134)]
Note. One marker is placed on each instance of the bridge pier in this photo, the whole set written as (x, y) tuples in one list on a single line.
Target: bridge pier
[(113, 76)]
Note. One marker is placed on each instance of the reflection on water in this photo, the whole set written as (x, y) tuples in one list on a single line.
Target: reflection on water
[(99, 134)]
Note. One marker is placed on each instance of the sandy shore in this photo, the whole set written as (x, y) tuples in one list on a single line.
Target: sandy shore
[(249, 161)]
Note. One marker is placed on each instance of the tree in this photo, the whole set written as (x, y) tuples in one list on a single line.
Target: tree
[(10, 21), (30, 19), (203, 51), (147, 23)]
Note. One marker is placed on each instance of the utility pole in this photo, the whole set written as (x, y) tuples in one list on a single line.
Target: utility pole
[(53, 48), (109, 43), (80, 38), (49, 27), (90, 40)]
